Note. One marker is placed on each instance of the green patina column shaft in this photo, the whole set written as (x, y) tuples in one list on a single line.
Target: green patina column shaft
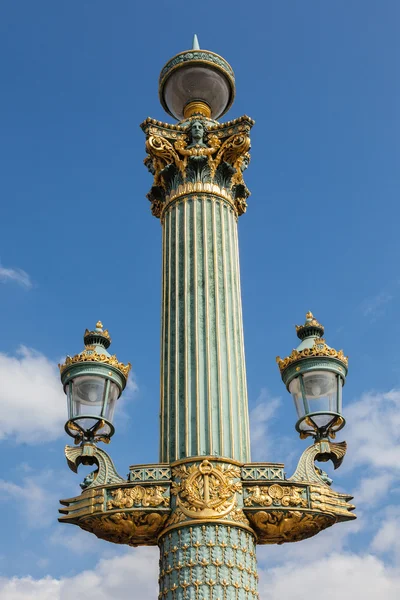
[(204, 407), (207, 548)]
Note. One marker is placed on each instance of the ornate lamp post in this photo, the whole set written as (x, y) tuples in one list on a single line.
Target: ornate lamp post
[(204, 504)]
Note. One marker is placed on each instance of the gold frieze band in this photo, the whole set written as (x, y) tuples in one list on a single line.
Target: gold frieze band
[(198, 188)]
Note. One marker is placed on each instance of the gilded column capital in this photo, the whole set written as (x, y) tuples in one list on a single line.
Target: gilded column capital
[(196, 152)]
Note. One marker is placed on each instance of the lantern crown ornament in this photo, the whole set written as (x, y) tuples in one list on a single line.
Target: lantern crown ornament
[(93, 381), (314, 373), (98, 336), (311, 327)]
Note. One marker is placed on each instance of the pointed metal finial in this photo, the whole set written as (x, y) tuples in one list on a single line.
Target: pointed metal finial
[(196, 45)]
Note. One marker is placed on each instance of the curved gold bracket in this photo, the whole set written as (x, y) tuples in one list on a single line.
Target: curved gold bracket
[(321, 451), (89, 454)]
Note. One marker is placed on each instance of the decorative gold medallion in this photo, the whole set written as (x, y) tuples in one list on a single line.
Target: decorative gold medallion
[(206, 490)]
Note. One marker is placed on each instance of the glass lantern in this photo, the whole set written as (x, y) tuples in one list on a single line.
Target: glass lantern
[(91, 404), (314, 374), (318, 399), (93, 382)]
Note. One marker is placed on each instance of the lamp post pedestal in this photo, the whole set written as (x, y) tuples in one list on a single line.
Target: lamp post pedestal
[(207, 514)]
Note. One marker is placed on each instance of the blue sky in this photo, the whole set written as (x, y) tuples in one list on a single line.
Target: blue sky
[(78, 243)]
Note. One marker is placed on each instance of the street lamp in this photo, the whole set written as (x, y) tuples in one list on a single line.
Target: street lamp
[(205, 504), (93, 381), (314, 374)]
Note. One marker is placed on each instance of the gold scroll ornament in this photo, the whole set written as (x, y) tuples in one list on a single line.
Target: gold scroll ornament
[(277, 527), (138, 528), (138, 496), (276, 495)]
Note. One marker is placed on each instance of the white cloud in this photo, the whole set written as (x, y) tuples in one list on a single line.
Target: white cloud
[(344, 576), (133, 575), (371, 490), (131, 387), (26, 588), (260, 418), (17, 275), (33, 405), (266, 445), (387, 538), (373, 431), (35, 497), (76, 540)]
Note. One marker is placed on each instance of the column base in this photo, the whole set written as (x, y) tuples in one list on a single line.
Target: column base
[(208, 562)]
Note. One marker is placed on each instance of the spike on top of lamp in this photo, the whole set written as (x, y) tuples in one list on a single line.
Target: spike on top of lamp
[(197, 82), (93, 380), (314, 374)]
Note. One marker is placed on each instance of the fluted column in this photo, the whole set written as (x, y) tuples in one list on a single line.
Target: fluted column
[(204, 408)]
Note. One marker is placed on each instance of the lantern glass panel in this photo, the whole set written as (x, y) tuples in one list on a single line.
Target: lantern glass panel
[(321, 393), (113, 394), (87, 399), (295, 390), (340, 384)]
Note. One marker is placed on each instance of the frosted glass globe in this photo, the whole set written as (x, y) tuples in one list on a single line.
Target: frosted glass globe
[(194, 82)]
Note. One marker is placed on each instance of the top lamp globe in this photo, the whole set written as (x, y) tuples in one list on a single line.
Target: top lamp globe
[(314, 374), (197, 82)]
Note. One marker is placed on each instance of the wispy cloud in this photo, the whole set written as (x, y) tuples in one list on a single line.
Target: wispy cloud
[(15, 275), (374, 306), (265, 444), (77, 541)]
